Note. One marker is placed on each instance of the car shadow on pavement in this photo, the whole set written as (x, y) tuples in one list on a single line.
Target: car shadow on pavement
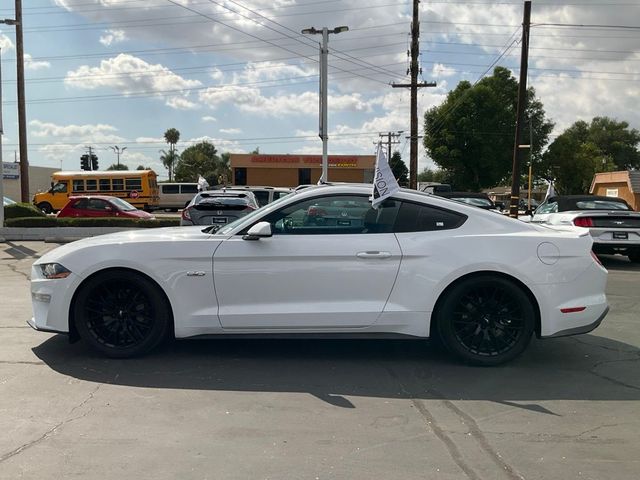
[(587, 367)]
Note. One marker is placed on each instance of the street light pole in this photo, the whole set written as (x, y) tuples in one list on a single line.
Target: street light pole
[(118, 151), (324, 81)]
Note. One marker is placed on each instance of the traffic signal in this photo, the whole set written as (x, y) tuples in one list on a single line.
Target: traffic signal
[(84, 162), (94, 162)]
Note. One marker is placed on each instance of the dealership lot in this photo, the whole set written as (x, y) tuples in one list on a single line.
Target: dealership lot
[(227, 409)]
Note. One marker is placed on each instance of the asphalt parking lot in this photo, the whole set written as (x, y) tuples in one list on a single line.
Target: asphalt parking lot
[(569, 408)]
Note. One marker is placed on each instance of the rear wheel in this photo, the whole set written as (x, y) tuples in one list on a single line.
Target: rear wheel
[(121, 313), (45, 207), (485, 320)]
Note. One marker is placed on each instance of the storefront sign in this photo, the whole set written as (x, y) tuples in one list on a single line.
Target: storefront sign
[(339, 161), (10, 171)]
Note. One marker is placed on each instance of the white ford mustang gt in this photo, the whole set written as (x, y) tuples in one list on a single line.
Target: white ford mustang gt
[(322, 261)]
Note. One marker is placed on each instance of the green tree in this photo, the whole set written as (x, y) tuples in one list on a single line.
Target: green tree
[(471, 134), (202, 159), (116, 166), (429, 175), (171, 136), (582, 150), (169, 160), (142, 167), (399, 169)]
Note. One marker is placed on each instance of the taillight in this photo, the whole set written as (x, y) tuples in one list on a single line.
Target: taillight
[(583, 222), (186, 215)]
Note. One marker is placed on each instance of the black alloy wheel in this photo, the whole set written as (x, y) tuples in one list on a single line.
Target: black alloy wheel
[(486, 320), (121, 313)]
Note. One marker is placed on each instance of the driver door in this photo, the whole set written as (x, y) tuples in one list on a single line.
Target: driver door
[(330, 264)]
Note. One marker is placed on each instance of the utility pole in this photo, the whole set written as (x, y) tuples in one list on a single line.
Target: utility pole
[(390, 136), (414, 85), (1, 165), (22, 112), (90, 150), (522, 100)]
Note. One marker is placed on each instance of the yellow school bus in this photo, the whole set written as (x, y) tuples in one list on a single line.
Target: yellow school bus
[(138, 187)]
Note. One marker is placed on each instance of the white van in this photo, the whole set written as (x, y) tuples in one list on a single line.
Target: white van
[(264, 195), (174, 196)]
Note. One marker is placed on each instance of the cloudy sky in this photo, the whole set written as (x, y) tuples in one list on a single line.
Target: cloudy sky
[(239, 73)]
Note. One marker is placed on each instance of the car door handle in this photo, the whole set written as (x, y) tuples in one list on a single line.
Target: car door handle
[(373, 254)]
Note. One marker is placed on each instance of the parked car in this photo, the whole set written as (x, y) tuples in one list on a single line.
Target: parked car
[(7, 201), (481, 200), (101, 206), (417, 266), (265, 195), (174, 196), (612, 223), (218, 207)]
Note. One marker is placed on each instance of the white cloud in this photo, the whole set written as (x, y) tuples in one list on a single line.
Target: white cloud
[(440, 70), (6, 44), (230, 131), (129, 75), (88, 133), (250, 99), (111, 37), (31, 64), (209, 118)]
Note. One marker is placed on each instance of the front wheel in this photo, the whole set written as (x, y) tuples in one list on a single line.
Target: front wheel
[(486, 320), (45, 207), (121, 313)]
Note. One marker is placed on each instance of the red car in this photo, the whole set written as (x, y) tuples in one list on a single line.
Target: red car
[(101, 206)]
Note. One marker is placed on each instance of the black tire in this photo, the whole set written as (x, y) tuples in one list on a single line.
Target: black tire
[(485, 320), (634, 256), (121, 313), (45, 207)]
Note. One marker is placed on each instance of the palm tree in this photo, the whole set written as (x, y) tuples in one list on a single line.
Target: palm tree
[(169, 160), (171, 136)]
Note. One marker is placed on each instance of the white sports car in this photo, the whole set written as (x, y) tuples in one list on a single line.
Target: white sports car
[(322, 261)]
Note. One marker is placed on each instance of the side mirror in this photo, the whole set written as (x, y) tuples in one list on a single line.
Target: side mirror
[(258, 231)]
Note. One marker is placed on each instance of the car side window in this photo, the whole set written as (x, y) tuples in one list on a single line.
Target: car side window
[(97, 204), (262, 197), (413, 217), (334, 215), (81, 203)]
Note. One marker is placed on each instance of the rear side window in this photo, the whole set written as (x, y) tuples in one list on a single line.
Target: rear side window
[(262, 197), (81, 203), (170, 189), (413, 217), (189, 188)]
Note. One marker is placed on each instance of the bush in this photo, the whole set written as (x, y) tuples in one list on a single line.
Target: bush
[(21, 210), (39, 222)]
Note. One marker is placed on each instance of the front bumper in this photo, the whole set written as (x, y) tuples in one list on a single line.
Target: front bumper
[(32, 323)]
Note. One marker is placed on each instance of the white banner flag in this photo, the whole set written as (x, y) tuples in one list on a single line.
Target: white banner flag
[(202, 183), (384, 183), (551, 192)]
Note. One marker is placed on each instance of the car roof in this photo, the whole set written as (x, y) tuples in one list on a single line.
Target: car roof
[(462, 194), (568, 202), (99, 197)]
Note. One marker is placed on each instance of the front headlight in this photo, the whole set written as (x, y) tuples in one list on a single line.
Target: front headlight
[(54, 270)]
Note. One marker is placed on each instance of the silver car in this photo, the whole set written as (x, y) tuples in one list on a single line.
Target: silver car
[(218, 207), (612, 223)]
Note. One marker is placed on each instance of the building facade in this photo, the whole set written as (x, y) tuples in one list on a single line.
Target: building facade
[(624, 184), (292, 170), (39, 180)]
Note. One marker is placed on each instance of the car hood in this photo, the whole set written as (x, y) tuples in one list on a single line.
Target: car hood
[(151, 235)]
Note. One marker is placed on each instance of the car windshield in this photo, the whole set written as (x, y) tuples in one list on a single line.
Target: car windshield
[(7, 201), (248, 218), (601, 205), (122, 204)]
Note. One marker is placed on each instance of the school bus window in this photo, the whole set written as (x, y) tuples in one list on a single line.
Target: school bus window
[(59, 188), (133, 183), (92, 185), (117, 183), (105, 184), (78, 185)]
